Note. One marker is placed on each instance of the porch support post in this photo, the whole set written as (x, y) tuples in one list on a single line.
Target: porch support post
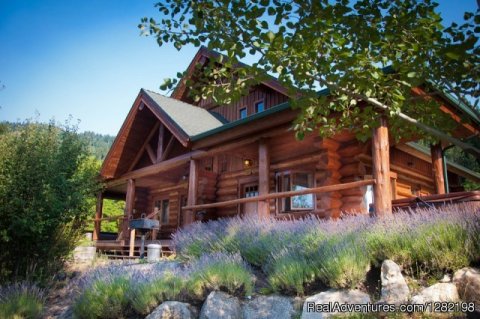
[(98, 215), (382, 193), (129, 205), (437, 165), (189, 216), (263, 178)]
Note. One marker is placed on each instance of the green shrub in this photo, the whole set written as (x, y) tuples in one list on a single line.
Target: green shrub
[(21, 301), (146, 296), (47, 187), (105, 299), (220, 271), (290, 271)]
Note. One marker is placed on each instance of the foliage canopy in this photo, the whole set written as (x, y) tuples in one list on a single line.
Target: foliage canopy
[(47, 185), (373, 51)]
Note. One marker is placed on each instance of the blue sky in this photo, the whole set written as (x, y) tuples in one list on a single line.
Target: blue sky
[(87, 59)]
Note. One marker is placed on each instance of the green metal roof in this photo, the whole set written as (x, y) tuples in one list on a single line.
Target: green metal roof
[(193, 120)]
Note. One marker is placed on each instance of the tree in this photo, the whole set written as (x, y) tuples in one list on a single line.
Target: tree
[(373, 51), (47, 187)]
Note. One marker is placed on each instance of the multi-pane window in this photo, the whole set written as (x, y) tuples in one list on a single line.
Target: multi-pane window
[(295, 181), (243, 112), (162, 206), (259, 107)]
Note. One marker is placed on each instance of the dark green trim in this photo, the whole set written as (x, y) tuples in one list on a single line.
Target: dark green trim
[(273, 110)]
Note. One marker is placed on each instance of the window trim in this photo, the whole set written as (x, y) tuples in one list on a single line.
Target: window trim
[(281, 201), (240, 112), (160, 209), (256, 104)]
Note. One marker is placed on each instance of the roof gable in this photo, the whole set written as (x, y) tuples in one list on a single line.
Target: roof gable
[(201, 57), (149, 110)]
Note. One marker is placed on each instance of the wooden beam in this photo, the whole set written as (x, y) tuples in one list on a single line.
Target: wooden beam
[(129, 205), (382, 193), (150, 153), (316, 190), (161, 134), (98, 217), (168, 148), (263, 178), (437, 165), (192, 192), (147, 140)]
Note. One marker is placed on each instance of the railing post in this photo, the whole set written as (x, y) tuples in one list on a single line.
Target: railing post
[(263, 178), (382, 193), (189, 216), (98, 215), (437, 166)]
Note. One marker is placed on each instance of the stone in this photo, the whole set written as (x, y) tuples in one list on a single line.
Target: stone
[(269, 307), (330, 297), (467, 281), (220, 305), (173, 310), (446, 278), (394, 286), (441, 292)]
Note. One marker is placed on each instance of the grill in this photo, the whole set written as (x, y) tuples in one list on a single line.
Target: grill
[(144, 225)]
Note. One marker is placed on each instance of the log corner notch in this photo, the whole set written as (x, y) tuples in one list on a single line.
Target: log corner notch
[(382, 193), (437, 166)]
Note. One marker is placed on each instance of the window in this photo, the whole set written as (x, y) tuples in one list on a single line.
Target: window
[(368, 198), (162, 206), (243, 112), (295, 181), (259, 107)]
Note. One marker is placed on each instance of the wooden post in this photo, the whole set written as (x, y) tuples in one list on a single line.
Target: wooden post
[(382, 193), (192, 192), (129, 205), (98, 215), (161, 133), (437, 165), (263, 178)]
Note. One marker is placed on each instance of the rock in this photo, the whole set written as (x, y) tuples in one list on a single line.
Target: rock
[(330, 297), (173, 310), (221, 305), (394, 286), (441, 292), (467, 281), (269, 307), (446, 278)]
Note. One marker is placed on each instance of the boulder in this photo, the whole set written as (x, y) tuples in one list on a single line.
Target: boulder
[(441, 292), (220, 305), (467, 281), (310, 311), (269, 307), (394, 286), (173, 310)]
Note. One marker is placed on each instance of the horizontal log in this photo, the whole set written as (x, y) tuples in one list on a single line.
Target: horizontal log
[(316, 190)]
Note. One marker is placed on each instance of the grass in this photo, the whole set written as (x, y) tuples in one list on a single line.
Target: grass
[(21, 301)]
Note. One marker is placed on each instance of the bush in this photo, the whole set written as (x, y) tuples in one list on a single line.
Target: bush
[(20, 301), (297, 254), (103, 299), (47, 183), (144, 297), (220, 271)]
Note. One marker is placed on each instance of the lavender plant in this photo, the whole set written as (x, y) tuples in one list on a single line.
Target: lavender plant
[(21, 300), (220, 271)]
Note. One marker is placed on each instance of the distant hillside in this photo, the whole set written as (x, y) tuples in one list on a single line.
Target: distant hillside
[(98, 144)]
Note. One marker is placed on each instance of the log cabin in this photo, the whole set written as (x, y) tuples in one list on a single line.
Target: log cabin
[(181, 161)]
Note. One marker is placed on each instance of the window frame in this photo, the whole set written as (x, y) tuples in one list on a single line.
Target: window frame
[(280, 187), (240, 112), (163, 216), (255, 105)]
